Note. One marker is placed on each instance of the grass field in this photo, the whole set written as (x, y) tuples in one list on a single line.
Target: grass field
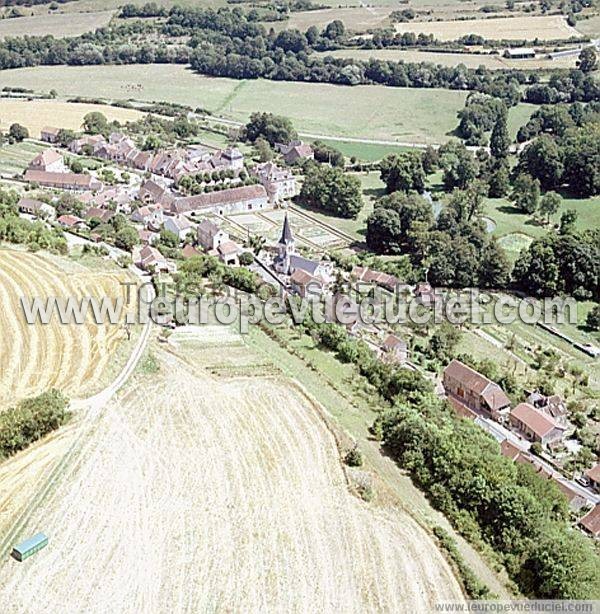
[(515, 230), (356, 19), (470, 60), (513, 28), (15, 158), (69, 357), (365, 152), (58, 25), (375, 112), (219, 494), (589, 27), (35, 114)]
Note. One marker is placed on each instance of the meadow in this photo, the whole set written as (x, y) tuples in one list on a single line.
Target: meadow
[(58, 25), (369, 111)]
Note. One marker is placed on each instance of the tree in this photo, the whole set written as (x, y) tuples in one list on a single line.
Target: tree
[(593, 318), (327, 154), (537, 269), (403, 172), (526, 193), (95, 123), (263, 150), (581, 155), (567, 221), (550, 204), (76, 166), (127, 238), (330, 189), (500, 141), (384, 231), (273, 128), (495, 268), (542, 159), (168, 238), (459, 166), (499, 181), (588, 59), (18, 133)]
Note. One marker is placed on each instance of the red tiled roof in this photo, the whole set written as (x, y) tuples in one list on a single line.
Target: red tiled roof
[(591, 521), (594, 473), (222, 197), (535, 420), (509, 449)]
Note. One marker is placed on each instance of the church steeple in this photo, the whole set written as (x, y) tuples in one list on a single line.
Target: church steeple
[(287, 238)]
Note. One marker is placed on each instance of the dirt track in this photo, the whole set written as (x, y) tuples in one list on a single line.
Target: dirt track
[(199, 494)]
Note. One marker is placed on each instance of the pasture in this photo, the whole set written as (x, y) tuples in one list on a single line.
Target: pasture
[(509, 28), (355, 19), (213, 493), (35, 114), (57, 24), (367, 111), (70, 357)]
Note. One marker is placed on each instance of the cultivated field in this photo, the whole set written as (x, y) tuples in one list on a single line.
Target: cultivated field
[(57, 25), (512, 28), (470, 60), (38, 357), (35, 114), (357, 19), (194, 493), (15, 158)]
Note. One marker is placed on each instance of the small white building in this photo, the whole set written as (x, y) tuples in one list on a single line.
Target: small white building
[(178, 225), (210, 236), (50, 161)]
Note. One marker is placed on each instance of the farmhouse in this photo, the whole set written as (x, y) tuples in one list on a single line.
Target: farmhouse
[(178, 225), (474, 390), (189, 251), (49, 134), (70, 221), (104, 215), (294, 151), (279, 183), (152, 192), (228, 253), (152, 260), (48, 160), (63, 181), (395, 349), (245, 198), (593, 475), (36, 208), (535, 425), (552, 405), (87, 143), (210, 236), (369, 276), (305, 284), (591, 521), (151, 216)]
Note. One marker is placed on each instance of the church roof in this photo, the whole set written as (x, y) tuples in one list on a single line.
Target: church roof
[(286, 236)]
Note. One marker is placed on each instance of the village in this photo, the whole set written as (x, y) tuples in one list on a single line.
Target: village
[(150, 192)]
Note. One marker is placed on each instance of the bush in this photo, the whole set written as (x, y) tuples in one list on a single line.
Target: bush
[(354, 458)]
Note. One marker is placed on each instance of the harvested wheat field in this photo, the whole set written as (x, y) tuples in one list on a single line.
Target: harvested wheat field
[(509, 28), (38, 357), (201, 494)]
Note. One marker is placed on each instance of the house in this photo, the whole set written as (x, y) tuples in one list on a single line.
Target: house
[(179, 225), (576, 501), (233, 200), (153, 193), (87, 144), (535, 425), (395, 349), (210, 236), (279, 183), (294, 151), (231, 158), (49, 134), (369, 276), (104, 215), (519, 53), (228, 253), (425, 294), (474, 390), (36, 208), (593, 475), (591, 521), (71, 221), (151, 216), (63, 181), (147, 237), (48, 160), (305, 284), (152, 260)]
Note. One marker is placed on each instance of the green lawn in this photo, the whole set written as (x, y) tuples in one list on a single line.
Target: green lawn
[(515, 230), (366, 152), (369, 111)]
